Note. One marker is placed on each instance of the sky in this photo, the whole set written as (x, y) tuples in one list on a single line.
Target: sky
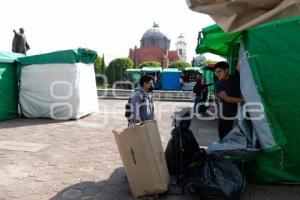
[(110, 27)]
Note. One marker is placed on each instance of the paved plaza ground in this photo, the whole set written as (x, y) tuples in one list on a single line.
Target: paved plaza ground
[(44, 159)]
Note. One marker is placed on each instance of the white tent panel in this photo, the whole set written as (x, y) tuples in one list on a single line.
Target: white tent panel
[(58, 91)]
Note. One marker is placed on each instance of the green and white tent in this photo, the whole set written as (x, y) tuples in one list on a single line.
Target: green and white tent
[(58, 85), (151, 69), (270, 71), (134, 75), (8, 85)]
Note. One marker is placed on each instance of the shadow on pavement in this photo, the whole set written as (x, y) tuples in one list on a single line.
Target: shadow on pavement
[(114, 188), (22, 121)]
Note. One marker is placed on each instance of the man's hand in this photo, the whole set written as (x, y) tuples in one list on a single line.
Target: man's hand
[(238, 67), (14, 31)]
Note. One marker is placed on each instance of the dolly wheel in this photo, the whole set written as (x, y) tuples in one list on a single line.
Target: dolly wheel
[(191, 188)]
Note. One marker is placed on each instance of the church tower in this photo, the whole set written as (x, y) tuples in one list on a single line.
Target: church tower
[(181, 48)]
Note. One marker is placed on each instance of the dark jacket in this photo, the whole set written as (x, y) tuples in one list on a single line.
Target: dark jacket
[(199, 87)]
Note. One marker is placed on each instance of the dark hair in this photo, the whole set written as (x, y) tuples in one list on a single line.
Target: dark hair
[(146, 79), (221, 65)]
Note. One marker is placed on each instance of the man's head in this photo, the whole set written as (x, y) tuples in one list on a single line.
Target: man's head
[(147, 82), (199, 76), (21, 30), (222, 70)]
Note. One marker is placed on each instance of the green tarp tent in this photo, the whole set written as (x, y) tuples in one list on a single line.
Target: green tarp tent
[(208, 75), (66, 56), (59, 85), (214, 40), (134, 75), (8, 85), (270, 71)]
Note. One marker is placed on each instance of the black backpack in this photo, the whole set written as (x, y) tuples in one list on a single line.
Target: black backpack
[(182, 149), (129, 107), (128, 110)]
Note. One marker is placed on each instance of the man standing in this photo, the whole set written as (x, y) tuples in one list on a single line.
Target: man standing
[(201, 91), (20, 44), (141, 103), (229, 95)]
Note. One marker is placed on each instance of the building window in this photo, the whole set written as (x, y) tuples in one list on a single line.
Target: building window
[(180, 52)]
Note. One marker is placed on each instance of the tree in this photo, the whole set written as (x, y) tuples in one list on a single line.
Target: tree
[(150, 64), (180, 64), (103, 66), (116, 68), (99, 65), (199, 61)]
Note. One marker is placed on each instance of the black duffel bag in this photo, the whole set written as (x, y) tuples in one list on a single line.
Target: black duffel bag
[(218, 179)]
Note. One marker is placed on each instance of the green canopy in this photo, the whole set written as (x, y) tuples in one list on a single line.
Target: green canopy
[(215, 40), (132, 70), (134, 75), (151, 69), (8, 85), (171, 70), (66, 56), (272, 53), (8, 57)]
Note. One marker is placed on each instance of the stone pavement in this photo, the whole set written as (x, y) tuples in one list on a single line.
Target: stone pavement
[(61, 160)]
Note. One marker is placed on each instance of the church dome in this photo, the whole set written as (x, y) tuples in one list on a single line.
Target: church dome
[(154, 38)]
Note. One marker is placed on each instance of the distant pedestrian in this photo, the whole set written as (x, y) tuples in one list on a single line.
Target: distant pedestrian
[(19, 44), (201, 92), (181, 81)]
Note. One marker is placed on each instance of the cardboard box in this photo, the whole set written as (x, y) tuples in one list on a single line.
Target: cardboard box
[(143, 158)]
